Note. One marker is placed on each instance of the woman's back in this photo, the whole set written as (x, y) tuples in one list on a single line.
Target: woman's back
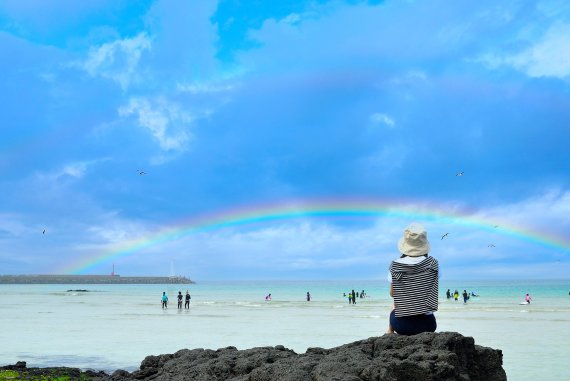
[(414, 284)]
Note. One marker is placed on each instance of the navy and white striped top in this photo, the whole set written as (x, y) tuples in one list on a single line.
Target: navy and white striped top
[(415, 287)]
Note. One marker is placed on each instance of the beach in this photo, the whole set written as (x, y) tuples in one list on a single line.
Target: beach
[(116, 326)]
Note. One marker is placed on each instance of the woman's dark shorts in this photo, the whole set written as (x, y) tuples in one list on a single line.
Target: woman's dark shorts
[(412, 325)]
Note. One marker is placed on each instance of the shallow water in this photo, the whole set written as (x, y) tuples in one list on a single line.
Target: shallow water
[(116, 326)]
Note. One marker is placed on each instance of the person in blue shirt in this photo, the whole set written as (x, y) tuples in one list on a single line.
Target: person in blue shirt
[(164, 300)]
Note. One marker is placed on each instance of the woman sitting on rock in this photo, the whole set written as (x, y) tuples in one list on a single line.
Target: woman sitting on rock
[(414, 284)]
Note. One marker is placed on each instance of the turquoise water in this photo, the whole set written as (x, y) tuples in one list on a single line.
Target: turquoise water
[(116, 326)]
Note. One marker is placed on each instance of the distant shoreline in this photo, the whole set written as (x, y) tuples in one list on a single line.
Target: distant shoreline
[(92, 279)]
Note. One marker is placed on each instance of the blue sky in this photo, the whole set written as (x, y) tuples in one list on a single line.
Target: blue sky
[(235, 104)]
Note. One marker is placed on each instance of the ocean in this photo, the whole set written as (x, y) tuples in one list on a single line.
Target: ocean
[(116, 326)]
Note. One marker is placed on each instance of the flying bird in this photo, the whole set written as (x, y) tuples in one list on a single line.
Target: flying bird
[(460, 173), (445, 235), (491, 245), (44, 232), (496, 226), (141, 172)]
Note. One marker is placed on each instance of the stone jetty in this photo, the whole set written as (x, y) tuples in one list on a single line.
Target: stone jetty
[(92, 279)]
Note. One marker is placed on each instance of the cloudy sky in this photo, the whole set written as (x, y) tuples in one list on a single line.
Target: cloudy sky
[(243, 104)]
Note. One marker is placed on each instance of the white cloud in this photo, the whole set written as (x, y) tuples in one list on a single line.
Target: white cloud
[(547, 57), (13, 225), (553, 8), (289, 245), (385, 119), (389, 158), (74, 170), (315, 246), (118, 60), (513, 270), (112, 229), (333, 263), (291, 19), (410, 78), (166, 121), (203, 88), (546, 213)]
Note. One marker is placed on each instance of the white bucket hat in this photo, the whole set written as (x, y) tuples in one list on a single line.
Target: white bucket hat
[(414, 243)]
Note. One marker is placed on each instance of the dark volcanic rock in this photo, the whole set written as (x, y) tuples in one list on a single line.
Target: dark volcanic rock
[(443, 356), (430, 356)]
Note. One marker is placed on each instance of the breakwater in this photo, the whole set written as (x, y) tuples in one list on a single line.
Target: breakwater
[(92, 279)]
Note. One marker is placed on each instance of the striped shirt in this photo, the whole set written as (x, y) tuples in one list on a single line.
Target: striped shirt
[(415, 287)]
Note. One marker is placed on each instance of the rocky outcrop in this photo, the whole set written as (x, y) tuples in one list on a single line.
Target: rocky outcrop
[(19, 371), (428, 356)]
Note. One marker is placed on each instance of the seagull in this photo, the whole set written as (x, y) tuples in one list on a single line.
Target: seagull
[(460, 173), (141, 172), (491, 245), (445, 235)]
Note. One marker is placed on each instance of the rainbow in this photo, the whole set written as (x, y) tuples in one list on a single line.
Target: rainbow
[(264, 213)]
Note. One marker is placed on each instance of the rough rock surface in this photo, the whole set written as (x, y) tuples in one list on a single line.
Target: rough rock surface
[(428, 356)]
